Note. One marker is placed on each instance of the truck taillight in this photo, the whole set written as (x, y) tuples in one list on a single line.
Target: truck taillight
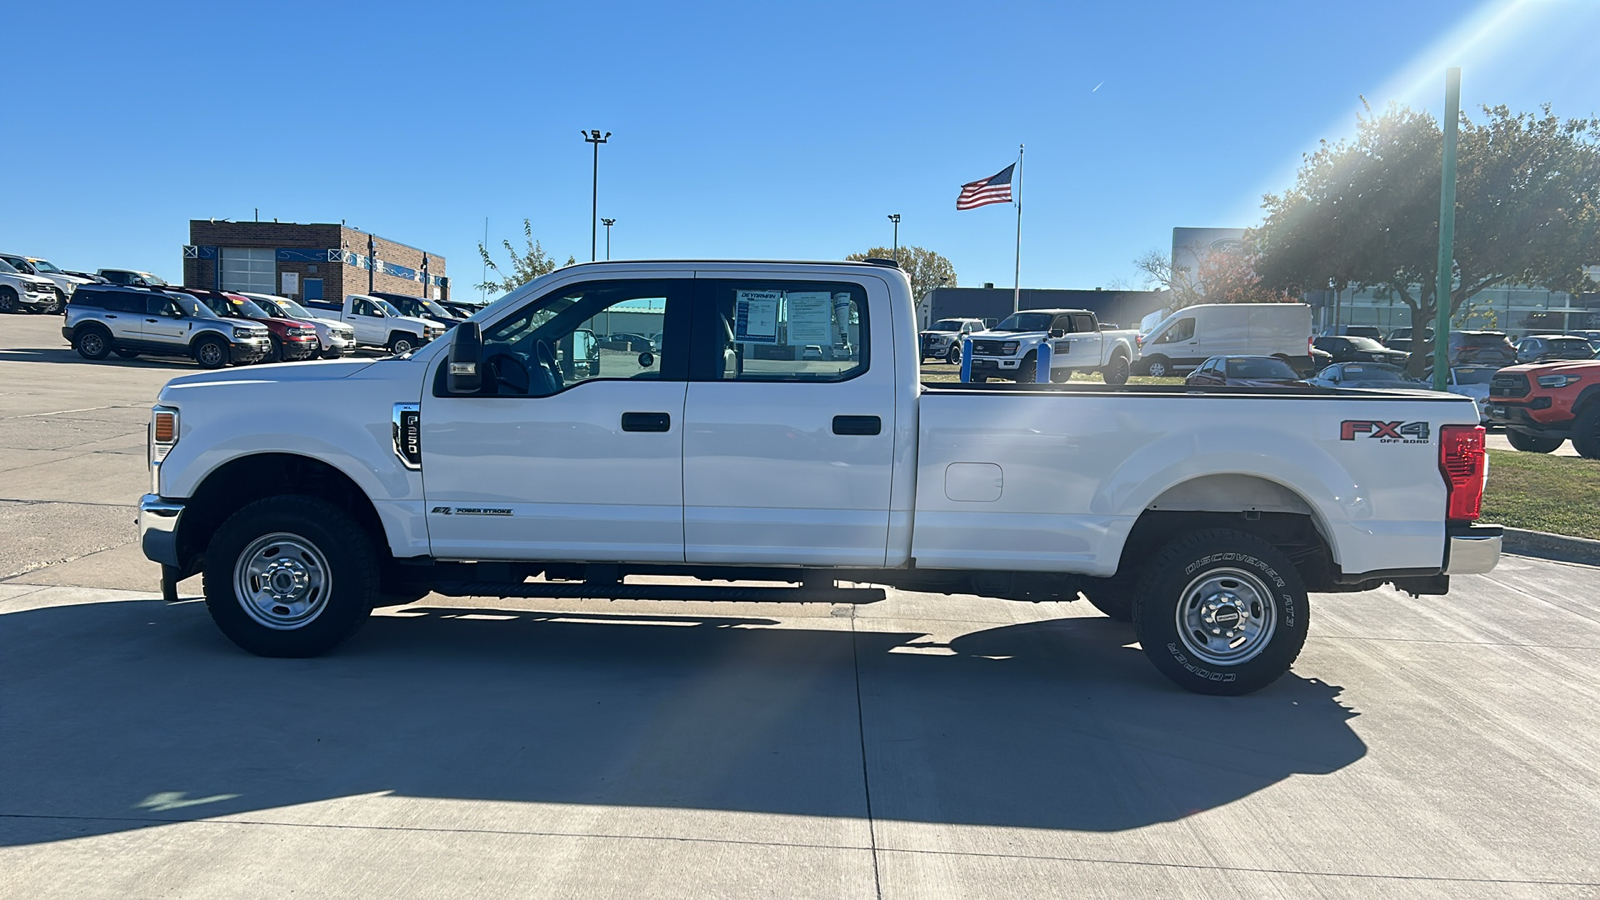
[(1464, 460)]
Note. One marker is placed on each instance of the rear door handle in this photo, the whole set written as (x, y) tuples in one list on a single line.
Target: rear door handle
[(646, 421), (857, 425)]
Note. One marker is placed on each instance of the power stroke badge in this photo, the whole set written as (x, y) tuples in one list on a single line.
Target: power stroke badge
[(470, 511)]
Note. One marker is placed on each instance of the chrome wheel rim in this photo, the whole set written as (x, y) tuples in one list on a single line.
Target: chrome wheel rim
[(282, 581), (1226, 617), (1158, 370), (210, 354)]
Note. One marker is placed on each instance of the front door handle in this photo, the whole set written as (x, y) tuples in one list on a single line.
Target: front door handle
[(857, 425), (646, 421)]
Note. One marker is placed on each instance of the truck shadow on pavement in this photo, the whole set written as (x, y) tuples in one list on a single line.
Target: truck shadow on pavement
[(125, 715)]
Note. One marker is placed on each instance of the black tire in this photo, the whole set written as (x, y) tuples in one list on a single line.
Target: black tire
[(1157, 367), (126, 354), (1242, 579), (92, 342), (1028, 369), (401, 343), (1586, 431), (211, 353), (1118, 371), (1529, 443), (8, 300), (275, 352), (1060, 376), (980, 379), (1112, 596), (310, 536), (953, 357)]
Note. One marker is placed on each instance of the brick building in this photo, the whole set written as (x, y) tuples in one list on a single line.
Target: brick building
[(307, 262)]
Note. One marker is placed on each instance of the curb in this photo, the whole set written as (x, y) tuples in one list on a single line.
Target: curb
[(1551, 546)]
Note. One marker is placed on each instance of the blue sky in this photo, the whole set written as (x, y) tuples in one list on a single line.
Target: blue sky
[(739, 129)]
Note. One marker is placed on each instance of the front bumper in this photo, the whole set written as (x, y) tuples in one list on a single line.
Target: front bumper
[(1472, 549), (992, 364), (158, 528), (249, 350), (1519, 417), (297, 350)]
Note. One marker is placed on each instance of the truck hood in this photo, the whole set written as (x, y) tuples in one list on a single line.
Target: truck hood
[(1009, 335), (1544, 368), (280, 373)]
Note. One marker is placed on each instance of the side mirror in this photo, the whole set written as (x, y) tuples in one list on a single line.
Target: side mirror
[(465, 373), (1058, 332)]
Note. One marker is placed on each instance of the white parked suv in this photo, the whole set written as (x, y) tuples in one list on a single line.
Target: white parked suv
[(308, 495), (334, 337), (1010, 350), (21, 292), (32, 265)]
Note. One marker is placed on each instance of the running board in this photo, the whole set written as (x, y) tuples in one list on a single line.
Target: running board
[(622, 591)]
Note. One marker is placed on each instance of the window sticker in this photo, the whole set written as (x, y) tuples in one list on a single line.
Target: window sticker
[(810, 318), (757, 317)]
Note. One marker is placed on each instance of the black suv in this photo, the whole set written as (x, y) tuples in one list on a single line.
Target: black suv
[(128, 321)]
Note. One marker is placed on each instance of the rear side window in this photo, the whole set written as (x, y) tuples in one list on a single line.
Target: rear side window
[(1082, 324), (782, 331), (122, 301)]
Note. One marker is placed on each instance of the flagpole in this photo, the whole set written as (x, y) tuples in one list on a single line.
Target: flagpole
[(1016, 283)]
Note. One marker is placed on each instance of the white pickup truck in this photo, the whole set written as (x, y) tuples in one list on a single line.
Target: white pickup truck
[(378, 324), (1010, 350), (781, 434)]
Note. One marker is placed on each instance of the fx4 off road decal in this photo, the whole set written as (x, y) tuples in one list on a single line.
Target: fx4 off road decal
[(1385, 432)]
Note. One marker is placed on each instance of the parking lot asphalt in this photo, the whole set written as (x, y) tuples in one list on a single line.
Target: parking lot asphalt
[(924, 746)]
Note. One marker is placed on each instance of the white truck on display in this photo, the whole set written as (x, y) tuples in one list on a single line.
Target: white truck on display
[(781, 435), (1010, 350), (377, 323)]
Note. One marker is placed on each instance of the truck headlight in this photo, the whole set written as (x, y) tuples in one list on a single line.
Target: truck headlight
[(1009, 348), (1558, 381)]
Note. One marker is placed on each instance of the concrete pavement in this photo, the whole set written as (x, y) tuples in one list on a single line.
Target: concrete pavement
[(922, 746)]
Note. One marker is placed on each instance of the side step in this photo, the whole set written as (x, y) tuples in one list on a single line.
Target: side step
[(621, 591)]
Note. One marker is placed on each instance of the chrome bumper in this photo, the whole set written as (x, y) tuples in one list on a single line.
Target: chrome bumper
[(158, 528), (1472, 549)]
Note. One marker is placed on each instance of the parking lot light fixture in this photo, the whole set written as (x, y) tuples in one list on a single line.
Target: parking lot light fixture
[(594, 137), (608, 223), (895, 218)]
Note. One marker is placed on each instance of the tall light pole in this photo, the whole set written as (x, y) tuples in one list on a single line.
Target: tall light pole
[(895, 218), (608, 223), (593, 137)]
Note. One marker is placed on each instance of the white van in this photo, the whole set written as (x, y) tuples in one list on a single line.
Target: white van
[(1194, 334)]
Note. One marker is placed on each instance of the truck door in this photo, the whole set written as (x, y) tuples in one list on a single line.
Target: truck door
[(789, 422), (367, 320), (562, 461), (1080, 349)]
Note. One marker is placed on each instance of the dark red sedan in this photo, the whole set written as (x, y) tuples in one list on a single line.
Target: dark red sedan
[(1244, 371)]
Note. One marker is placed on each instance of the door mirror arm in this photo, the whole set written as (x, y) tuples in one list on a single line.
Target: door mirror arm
[(465, 372)]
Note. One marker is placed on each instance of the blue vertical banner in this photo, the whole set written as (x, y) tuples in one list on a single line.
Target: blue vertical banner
[(966, 360), (1041, 374)]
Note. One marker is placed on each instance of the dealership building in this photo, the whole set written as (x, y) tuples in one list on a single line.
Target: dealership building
[(307, 262)]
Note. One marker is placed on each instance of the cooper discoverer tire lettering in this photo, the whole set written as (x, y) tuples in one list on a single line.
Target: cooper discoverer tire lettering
[(290, 576), (1221, 611)]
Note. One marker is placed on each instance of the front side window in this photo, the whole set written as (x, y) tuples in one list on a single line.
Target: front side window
[(553, 343), (1181, 330), (786, 330), (363, 308)]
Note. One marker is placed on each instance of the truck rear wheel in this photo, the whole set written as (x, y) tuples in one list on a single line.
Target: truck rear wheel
[(290, 576), (1118, 371), (1112, 596), (1586, 431), (1221, 611), (1528, 443)]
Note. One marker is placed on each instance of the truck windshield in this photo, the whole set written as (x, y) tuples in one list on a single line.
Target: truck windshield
[(386, 306), (945, 325), (1025, 322), (45, 265), (294, 309), (1363, 343), (436, 309)]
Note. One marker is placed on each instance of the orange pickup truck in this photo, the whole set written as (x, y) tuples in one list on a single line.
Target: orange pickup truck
[(1543, 404)]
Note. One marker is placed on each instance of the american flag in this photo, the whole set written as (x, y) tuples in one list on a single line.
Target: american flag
[(994, 189)]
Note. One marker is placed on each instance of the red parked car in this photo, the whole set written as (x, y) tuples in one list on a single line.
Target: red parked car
[(1543, 404), (292, 339)]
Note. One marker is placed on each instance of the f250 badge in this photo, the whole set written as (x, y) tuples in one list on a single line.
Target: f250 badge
[(1384, 432)]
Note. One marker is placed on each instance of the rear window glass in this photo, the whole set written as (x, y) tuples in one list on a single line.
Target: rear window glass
[(1483, 340), (1260, 368)]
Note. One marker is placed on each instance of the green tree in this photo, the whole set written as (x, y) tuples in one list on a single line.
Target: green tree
[(1365, 211), (926, 269), (523, 268)]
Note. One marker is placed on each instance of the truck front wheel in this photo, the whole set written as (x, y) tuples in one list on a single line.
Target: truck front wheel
[(1028, 369), (290, 576), (1586, 431), (1528, 443), (401, 343), (1221, 611)]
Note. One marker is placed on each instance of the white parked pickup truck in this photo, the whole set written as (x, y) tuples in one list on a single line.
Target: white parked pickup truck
[(378, 324), (781, 434), (1010, 350)]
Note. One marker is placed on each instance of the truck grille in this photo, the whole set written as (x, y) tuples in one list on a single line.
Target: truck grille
[(988, 348), (1509, 385)]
